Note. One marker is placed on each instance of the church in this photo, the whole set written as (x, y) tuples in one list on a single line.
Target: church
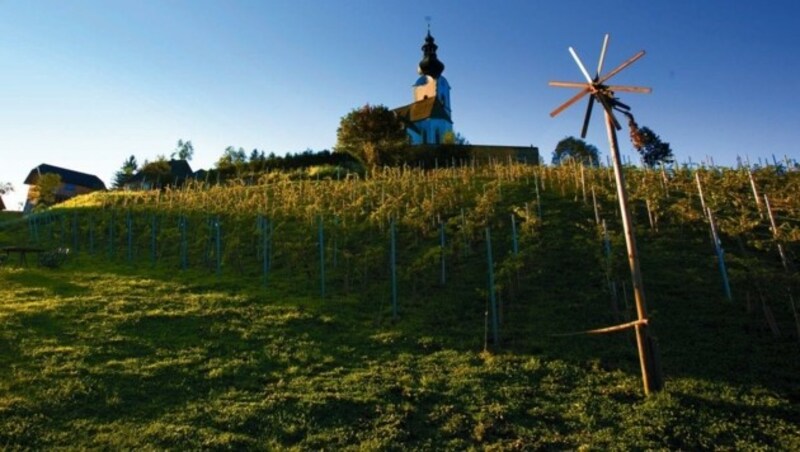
[(429, 118)]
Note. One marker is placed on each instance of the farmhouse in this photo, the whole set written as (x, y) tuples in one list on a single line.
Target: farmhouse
[(73, 183)]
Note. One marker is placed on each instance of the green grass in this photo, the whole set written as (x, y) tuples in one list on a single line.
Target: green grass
[(106, 353)]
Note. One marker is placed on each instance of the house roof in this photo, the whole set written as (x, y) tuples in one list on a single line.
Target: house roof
[(68, 176), (178, 169), (430, 108), (2, 206)]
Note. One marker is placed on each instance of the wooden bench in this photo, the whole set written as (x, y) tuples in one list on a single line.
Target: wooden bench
[(22, 251)]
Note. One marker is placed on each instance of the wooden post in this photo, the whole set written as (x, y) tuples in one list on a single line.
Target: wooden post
[(782, 253), (755, 193), (583, 184), (648, 355), (700, 191)]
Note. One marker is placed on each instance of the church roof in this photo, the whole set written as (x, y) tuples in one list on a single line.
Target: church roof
[(430, 64), (430, 108)]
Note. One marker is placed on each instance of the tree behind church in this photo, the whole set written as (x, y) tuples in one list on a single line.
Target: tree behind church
[(575, 149), (373, 135)]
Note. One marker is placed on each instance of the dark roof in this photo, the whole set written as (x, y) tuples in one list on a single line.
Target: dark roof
[(2, 206), (430, 64), (178, 169), (430, 108), (67, 176)]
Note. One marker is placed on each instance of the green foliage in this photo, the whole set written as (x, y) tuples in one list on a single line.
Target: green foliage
[(125, 173), (47, 186), (652, 149), (54, 258), (454, 138), (184, 150), (111, 353), (372, 134), (157, 172), (232, 160), (6, 187), (573, 149)]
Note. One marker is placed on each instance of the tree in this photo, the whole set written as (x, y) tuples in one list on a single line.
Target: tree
[(232, 158), (158, 172), (454, 138), (6, 187), (184, 150), (572, 148), (47, 186), (125, 173), (650, 146), (372, 134)]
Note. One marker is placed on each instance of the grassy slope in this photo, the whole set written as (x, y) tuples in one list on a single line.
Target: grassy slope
[(99, 354)]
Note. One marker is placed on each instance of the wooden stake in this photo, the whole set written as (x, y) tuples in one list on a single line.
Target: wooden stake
[(784, 260), (652, 379), (700, 191), (583, 184), (755, 193)]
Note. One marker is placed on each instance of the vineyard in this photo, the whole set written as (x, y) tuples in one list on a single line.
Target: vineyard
[(435, 308)]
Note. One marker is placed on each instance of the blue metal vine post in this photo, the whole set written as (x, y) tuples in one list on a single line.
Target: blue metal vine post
[(492, 300)]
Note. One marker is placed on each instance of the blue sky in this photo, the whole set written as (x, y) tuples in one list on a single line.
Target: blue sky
[(85, 84)]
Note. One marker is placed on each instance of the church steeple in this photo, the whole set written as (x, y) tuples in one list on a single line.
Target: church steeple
[(430, 64)]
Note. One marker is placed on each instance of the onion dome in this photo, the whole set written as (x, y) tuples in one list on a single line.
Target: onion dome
[(430, 65)]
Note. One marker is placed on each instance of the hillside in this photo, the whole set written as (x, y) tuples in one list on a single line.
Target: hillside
[(331, 314)]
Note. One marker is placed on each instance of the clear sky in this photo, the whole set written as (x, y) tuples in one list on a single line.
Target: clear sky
[(85, 84)]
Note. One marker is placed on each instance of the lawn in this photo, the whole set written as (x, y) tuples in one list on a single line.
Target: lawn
[(107, 354)]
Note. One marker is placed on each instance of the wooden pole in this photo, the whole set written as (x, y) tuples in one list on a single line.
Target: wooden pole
[(700, 192), (775, 237), (648, 355), (755, 192)]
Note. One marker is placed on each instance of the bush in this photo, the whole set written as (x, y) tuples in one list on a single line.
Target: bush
[(53, 259)]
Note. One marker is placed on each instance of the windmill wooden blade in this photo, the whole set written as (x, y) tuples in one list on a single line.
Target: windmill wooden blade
[(567, 84), (580, 65), (587, 117), (602, 55), (622, 66), (571, 101), (630, 89)]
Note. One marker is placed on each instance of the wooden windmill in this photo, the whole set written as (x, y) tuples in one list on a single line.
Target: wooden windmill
[(603, 94)]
